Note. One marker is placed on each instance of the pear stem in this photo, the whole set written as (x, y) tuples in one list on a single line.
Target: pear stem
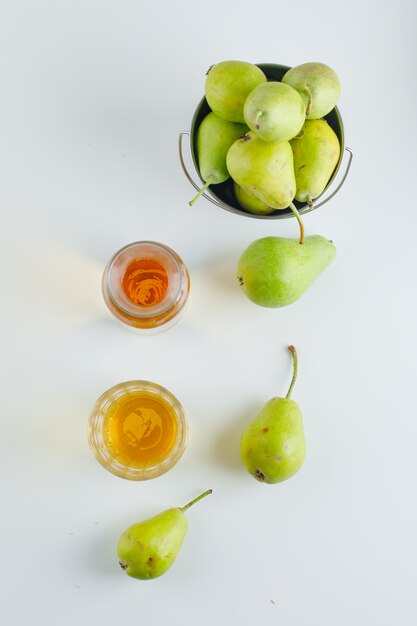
[(297, 215), (202, 495), (200, 193), (295, 369), (309, 100)]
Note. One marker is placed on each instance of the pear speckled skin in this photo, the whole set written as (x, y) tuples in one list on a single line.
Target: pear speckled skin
[(318, 84), (273, 446), (316, 153), (265, 168), (276, 271), (214, 138), (274, 111), (148, 549), (228, 84)]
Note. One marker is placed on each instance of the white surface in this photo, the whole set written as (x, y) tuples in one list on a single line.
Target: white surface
[(93, 96)]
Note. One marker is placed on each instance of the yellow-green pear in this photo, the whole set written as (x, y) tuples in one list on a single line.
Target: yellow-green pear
[(148, 549), (265, 169), (274, 111), (319, 86), (276, 271), (250, 202), (213, 140), (316, 154), (273, 446), (228, 84)]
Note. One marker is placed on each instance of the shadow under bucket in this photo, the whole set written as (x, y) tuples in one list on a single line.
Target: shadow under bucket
[(223, 195)]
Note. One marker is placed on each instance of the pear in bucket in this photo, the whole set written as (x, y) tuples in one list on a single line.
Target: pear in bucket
[(250, 202), (319, 86), (213, 140), (316, 153), (265, 169), (274, 111), (228, 84), (273, 446), (147, 549)]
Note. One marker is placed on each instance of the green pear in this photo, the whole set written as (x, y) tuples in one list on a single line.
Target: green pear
[(264, 168), (274, 111), (251, 203), (316, 153), (318, 84), (149, 548), (228, 84), (273, 447), (213, 140), (276, 271)]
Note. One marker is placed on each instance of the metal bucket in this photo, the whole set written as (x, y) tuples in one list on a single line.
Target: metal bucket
[(223, 195)]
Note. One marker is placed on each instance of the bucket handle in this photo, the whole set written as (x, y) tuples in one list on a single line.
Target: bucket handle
[(312, 205)]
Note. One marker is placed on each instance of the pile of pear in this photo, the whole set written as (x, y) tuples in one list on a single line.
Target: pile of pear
[(271, 139), (269, 136)]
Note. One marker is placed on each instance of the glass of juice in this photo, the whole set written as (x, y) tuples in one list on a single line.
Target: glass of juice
[(137, 430), (145, 287)]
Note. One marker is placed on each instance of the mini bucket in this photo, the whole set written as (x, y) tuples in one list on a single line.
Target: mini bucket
[(223, 196)]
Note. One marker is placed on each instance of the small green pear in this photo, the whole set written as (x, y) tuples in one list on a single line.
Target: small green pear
[(251, 203), (274, 111), (228, 84), (149, 548), (276, 271), (316, 153), (213, 140), (264, 168), (318, 84), (273, 446)]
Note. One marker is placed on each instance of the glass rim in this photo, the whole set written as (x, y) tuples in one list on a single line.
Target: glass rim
[(102, 453), (167, 301)]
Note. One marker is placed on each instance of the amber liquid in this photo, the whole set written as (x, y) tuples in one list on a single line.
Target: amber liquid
[(140, 429), (145, 282)]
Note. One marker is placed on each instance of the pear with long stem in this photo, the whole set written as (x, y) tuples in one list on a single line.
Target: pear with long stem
[(276, 271), (266, 170), (147, 549), (273, 446)]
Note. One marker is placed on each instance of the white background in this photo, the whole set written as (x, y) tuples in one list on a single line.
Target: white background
[(93, 96)]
